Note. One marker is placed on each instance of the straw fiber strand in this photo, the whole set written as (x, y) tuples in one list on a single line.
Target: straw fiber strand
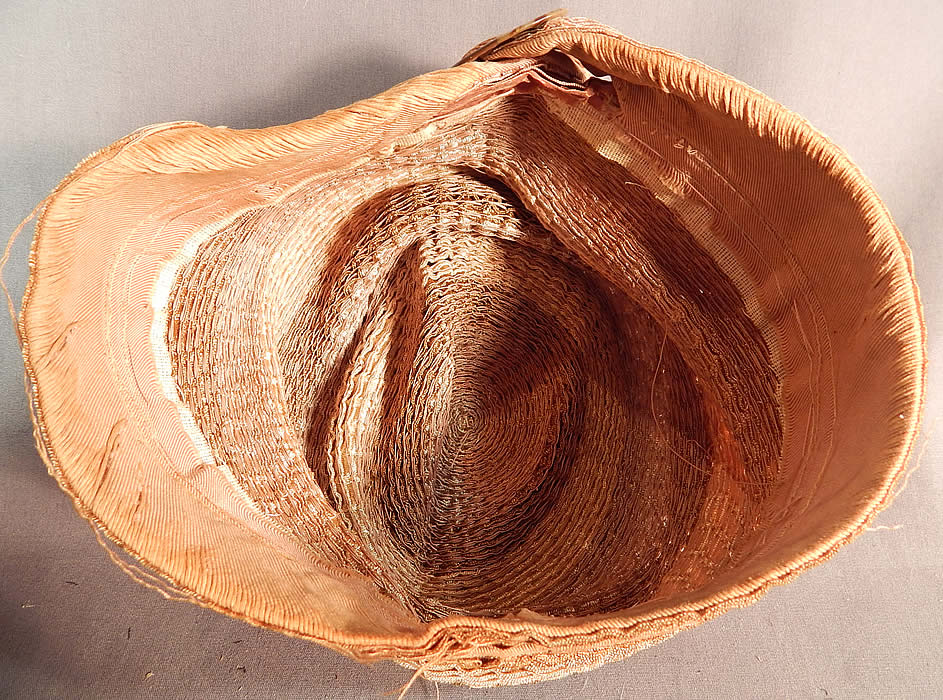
[(513, 370)]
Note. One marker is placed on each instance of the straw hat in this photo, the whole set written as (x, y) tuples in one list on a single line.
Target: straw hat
[(512, 370)]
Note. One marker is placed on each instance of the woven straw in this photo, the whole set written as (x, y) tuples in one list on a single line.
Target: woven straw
[(512, 370)]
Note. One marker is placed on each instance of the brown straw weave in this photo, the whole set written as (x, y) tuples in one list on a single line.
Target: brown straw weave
[(512, 370)]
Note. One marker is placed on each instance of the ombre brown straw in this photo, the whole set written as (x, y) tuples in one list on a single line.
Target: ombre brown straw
[(512, 370)]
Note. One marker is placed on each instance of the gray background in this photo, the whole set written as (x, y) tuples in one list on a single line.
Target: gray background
[(74, 76)]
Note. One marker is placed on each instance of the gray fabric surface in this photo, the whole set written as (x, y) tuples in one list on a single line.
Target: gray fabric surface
[(75, 76)]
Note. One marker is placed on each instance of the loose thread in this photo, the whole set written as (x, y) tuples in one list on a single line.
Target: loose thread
[(138, 574), (919, 460), (409, 683), (6, 258), (906, 478), (419, 671), (658, 432)]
